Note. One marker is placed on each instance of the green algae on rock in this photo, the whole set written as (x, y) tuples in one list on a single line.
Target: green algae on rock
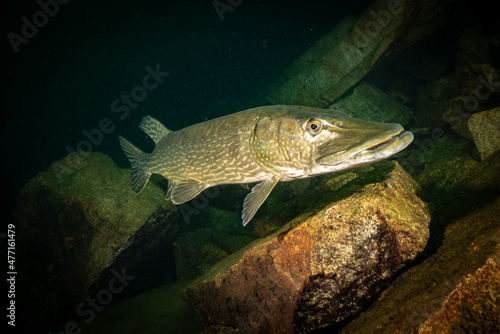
[(80, 224), (456, 287), (372, 104), (323, 266)]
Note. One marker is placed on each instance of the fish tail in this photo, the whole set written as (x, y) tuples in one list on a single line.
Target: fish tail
[(140, 172)]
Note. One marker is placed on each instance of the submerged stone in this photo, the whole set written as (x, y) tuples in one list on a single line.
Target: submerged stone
[(321, 267), (370, 103), (195, 252), (485, 130), (353, 48), (456, 289), (84, 226), (480, 90)]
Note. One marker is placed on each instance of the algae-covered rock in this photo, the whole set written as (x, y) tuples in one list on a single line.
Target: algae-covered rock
[(196, 252), (324, 265), (356, 45), (307, 199), (453, 184), (485, 130), (456, 289), (370, 103), (80, 222)]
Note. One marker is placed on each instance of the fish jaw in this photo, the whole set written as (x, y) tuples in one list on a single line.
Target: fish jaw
[(372, 154), (353, 142)]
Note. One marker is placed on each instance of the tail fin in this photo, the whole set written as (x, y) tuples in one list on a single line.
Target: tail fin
[(140, 173)]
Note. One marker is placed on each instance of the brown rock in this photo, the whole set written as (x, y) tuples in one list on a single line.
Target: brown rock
[(456, 289), (78, 222), (472, 305), (302, 201), (323, 266), (485, 130)]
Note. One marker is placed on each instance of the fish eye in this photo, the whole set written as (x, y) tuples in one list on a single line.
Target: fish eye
[(314, 126)]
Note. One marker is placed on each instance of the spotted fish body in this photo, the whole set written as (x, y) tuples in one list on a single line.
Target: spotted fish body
[(265, 145)]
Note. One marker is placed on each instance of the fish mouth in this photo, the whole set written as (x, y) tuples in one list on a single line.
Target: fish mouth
[(381, 145), (365, 154)]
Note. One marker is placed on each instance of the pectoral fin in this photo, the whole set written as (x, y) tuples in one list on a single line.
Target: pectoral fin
[(254, 200), (185, 190)]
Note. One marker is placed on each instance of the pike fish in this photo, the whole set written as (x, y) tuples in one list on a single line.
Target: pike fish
[(261, 145)]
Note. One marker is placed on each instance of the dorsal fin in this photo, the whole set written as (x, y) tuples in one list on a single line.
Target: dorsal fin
[(153, 128)]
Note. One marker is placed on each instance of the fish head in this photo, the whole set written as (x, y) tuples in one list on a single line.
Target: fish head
[(300, 144)]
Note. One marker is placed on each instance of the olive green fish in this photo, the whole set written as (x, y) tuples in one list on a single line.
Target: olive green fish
[(265, 145)]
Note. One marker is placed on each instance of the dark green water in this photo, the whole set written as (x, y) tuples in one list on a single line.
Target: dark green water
[(64, 80)]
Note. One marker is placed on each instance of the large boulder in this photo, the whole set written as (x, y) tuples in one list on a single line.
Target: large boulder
[(353, 48), (324, 265), (457, 288), (84, 226), (372, 104)]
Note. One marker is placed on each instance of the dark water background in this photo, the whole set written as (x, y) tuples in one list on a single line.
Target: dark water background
[(64, 80)]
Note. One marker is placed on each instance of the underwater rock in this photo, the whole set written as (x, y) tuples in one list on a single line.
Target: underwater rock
[(370, 103), (485, 130), (433, 101), (480, 90), (84, 226), (309, 198), (356, 45), (455, 97), (456, 289), (321, 267), (195, 252)]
